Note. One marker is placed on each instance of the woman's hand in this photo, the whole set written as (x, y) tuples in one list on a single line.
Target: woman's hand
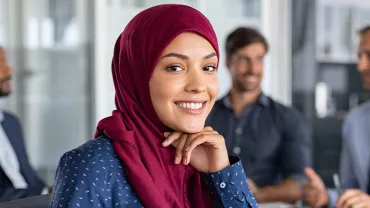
[(205, 151)]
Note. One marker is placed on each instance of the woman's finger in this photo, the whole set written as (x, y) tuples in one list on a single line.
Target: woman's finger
[(186, 152), (179, 149), (193, 144), (208, 132), (207, 128), (170, 138), (189, 141), (202, 138), (191, 137)]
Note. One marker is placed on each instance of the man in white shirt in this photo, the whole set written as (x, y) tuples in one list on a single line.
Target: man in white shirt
[(17, 177)]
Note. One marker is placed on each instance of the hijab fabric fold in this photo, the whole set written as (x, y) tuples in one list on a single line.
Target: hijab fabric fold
[(134, 127)]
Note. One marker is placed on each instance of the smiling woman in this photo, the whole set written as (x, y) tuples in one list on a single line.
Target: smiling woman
[(154, 150)]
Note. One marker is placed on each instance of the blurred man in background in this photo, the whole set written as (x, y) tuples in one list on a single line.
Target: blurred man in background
[(17, 177), (355, 155), (271, 139)]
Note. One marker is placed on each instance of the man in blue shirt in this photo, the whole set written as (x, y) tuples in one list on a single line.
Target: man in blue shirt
[(355, 155), (271, 139)]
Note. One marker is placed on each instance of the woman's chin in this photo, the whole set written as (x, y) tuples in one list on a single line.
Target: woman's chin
[(190, 128)]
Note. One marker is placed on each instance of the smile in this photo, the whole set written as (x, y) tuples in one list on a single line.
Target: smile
[(190, 105)]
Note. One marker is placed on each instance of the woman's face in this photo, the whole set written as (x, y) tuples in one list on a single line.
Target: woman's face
[(184, 85)]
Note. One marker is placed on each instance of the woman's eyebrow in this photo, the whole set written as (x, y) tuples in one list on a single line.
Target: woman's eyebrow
[(185, 57), (210, 55), (177, 55)]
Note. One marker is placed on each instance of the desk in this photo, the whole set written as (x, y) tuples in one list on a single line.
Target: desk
[(42, 201), (279, 205)]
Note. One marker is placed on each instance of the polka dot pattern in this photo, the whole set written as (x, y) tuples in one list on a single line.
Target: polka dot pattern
[(92, 176)]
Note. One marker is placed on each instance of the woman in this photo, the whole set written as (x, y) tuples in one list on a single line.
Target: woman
[(154, 150)]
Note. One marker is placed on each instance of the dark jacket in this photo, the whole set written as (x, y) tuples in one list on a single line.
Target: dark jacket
[(13, 130)]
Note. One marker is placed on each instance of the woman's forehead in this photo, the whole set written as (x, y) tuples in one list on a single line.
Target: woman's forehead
[(188, 42)]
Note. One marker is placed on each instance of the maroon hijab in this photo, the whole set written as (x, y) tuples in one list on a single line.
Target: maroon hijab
[(134, 128)]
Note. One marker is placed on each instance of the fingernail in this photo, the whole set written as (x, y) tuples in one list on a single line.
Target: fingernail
[(187, 149), (176, 160), (164, 143), (185, 161), (166, 134)]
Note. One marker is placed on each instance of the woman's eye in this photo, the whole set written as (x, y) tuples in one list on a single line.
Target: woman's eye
[(209, 68), (174, 68)]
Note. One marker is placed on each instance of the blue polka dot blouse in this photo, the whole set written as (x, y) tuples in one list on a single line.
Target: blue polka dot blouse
[(92, 176)]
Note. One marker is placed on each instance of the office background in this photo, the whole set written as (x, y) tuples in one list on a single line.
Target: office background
[(61, 51)]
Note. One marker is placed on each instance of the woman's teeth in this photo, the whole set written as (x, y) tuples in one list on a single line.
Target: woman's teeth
[(190, 105)]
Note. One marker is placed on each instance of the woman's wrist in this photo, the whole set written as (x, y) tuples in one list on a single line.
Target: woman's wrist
[(221, 165)]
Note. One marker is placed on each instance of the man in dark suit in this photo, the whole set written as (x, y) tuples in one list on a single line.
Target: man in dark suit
[(17, 177)]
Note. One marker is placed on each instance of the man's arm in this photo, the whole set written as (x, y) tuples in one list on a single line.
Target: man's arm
[(288, 191), (347, 176), (294, 157), (315, 193)]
